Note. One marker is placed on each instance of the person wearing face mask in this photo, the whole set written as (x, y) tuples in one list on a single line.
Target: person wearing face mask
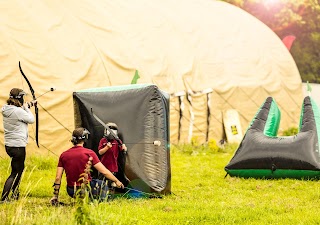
[(16, 117), (109, 149)]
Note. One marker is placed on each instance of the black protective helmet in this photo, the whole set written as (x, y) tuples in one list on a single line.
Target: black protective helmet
[(79, 134), (114, 128), (17, 93)]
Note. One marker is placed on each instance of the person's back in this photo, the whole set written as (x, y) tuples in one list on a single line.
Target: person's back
[(74, 162), (15, 125)]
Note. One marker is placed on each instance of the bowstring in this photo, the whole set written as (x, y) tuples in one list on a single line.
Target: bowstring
[(34, 132)]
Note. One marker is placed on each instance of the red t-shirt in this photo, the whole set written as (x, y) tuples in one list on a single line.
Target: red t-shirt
[(110, 158), (74, 163)]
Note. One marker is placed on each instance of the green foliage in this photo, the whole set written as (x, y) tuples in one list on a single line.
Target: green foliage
[(212, 145), (82, 213), (307, 56), (290, 131), (195, 147), (231, 147), (43, 163), (300, 18)]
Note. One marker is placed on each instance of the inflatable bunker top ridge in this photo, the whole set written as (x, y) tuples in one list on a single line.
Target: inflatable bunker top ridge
[(262, 154)]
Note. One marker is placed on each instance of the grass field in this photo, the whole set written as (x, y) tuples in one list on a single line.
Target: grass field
[(200, 195)]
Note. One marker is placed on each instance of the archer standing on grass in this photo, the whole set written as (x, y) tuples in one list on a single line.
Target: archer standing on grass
[(74, 162), (16, 117)]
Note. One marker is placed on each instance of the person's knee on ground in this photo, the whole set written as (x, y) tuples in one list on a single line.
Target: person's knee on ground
[(99, 189)]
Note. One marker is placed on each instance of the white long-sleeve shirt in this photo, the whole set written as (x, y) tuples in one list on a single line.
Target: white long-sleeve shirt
[(15, 124)]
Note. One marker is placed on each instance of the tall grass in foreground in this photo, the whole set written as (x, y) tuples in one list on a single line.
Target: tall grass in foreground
[(201, 195)]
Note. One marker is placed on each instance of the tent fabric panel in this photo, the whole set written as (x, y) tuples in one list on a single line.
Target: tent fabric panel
[(200, 109), (174, 119)]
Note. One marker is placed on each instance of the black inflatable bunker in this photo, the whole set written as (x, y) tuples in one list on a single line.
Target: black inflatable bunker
[(262, 154), (142, 115)]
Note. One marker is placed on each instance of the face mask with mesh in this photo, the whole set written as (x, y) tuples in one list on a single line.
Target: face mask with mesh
[(109, 136)]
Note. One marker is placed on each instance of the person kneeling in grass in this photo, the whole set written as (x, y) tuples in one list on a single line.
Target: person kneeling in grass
[(74, 161)]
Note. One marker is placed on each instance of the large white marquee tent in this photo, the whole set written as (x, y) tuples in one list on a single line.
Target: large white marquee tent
[(210, 56)]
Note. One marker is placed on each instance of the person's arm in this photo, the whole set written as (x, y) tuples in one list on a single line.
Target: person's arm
[(30, 104), (105, 148), (102, 169), (56, 185), (25, 115)]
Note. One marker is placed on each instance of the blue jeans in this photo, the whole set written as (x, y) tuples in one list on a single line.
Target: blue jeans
[(98, 190)]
